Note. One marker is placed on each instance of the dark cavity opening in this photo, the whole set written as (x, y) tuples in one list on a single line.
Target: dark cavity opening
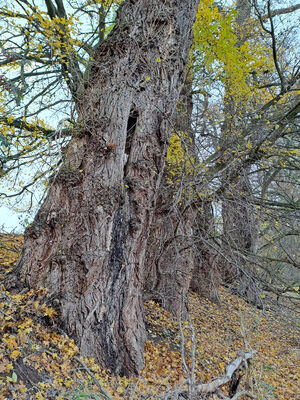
[(131, 126)]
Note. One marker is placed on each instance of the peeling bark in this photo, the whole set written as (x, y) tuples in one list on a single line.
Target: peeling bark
[(88, 240)]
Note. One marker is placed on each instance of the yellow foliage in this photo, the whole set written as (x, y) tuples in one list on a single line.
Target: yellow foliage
[(175, 154), (180, 162), (229, 55)]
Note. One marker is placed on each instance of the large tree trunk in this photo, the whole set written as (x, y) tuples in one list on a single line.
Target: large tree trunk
[(169, 256), (206, 277), (180, 253), (87, 242)]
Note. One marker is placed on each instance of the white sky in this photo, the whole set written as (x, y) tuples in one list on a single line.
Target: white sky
[(9, 221)]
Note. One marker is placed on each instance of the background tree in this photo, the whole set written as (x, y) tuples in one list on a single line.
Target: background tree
[(251, 125)]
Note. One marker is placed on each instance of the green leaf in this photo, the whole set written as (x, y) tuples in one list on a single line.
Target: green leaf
[(14, 377)]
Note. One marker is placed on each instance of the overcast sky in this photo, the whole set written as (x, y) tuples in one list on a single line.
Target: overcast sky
[(9, 221)]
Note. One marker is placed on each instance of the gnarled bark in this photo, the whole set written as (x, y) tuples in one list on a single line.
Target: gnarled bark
[(169, 255), (206, 276), (87, 242), (180, 253)]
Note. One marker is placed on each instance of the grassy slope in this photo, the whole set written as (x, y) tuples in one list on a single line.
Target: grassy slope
[(37, 362)]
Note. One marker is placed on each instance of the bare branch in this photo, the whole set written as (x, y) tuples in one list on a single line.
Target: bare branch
[(95, 380), (281, 11), (274, 49), (240, 362)]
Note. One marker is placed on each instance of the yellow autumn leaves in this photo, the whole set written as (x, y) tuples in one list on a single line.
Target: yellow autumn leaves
[(216, 38)]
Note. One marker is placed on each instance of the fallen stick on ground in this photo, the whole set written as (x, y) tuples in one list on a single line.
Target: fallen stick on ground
[(241, 362), (211, 387)]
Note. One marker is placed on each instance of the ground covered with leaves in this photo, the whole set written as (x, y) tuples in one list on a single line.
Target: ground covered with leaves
[(39, 362)]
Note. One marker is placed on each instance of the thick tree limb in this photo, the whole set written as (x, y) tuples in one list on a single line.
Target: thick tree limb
[(48, 133), (52, 11)]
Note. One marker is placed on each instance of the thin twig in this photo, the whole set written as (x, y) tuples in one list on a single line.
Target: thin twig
[(95, 380)]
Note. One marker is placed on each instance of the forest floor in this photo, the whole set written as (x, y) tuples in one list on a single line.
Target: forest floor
[(37, 362)]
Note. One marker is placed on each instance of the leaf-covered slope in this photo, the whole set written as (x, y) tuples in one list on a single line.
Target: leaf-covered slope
[(38, 362)]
